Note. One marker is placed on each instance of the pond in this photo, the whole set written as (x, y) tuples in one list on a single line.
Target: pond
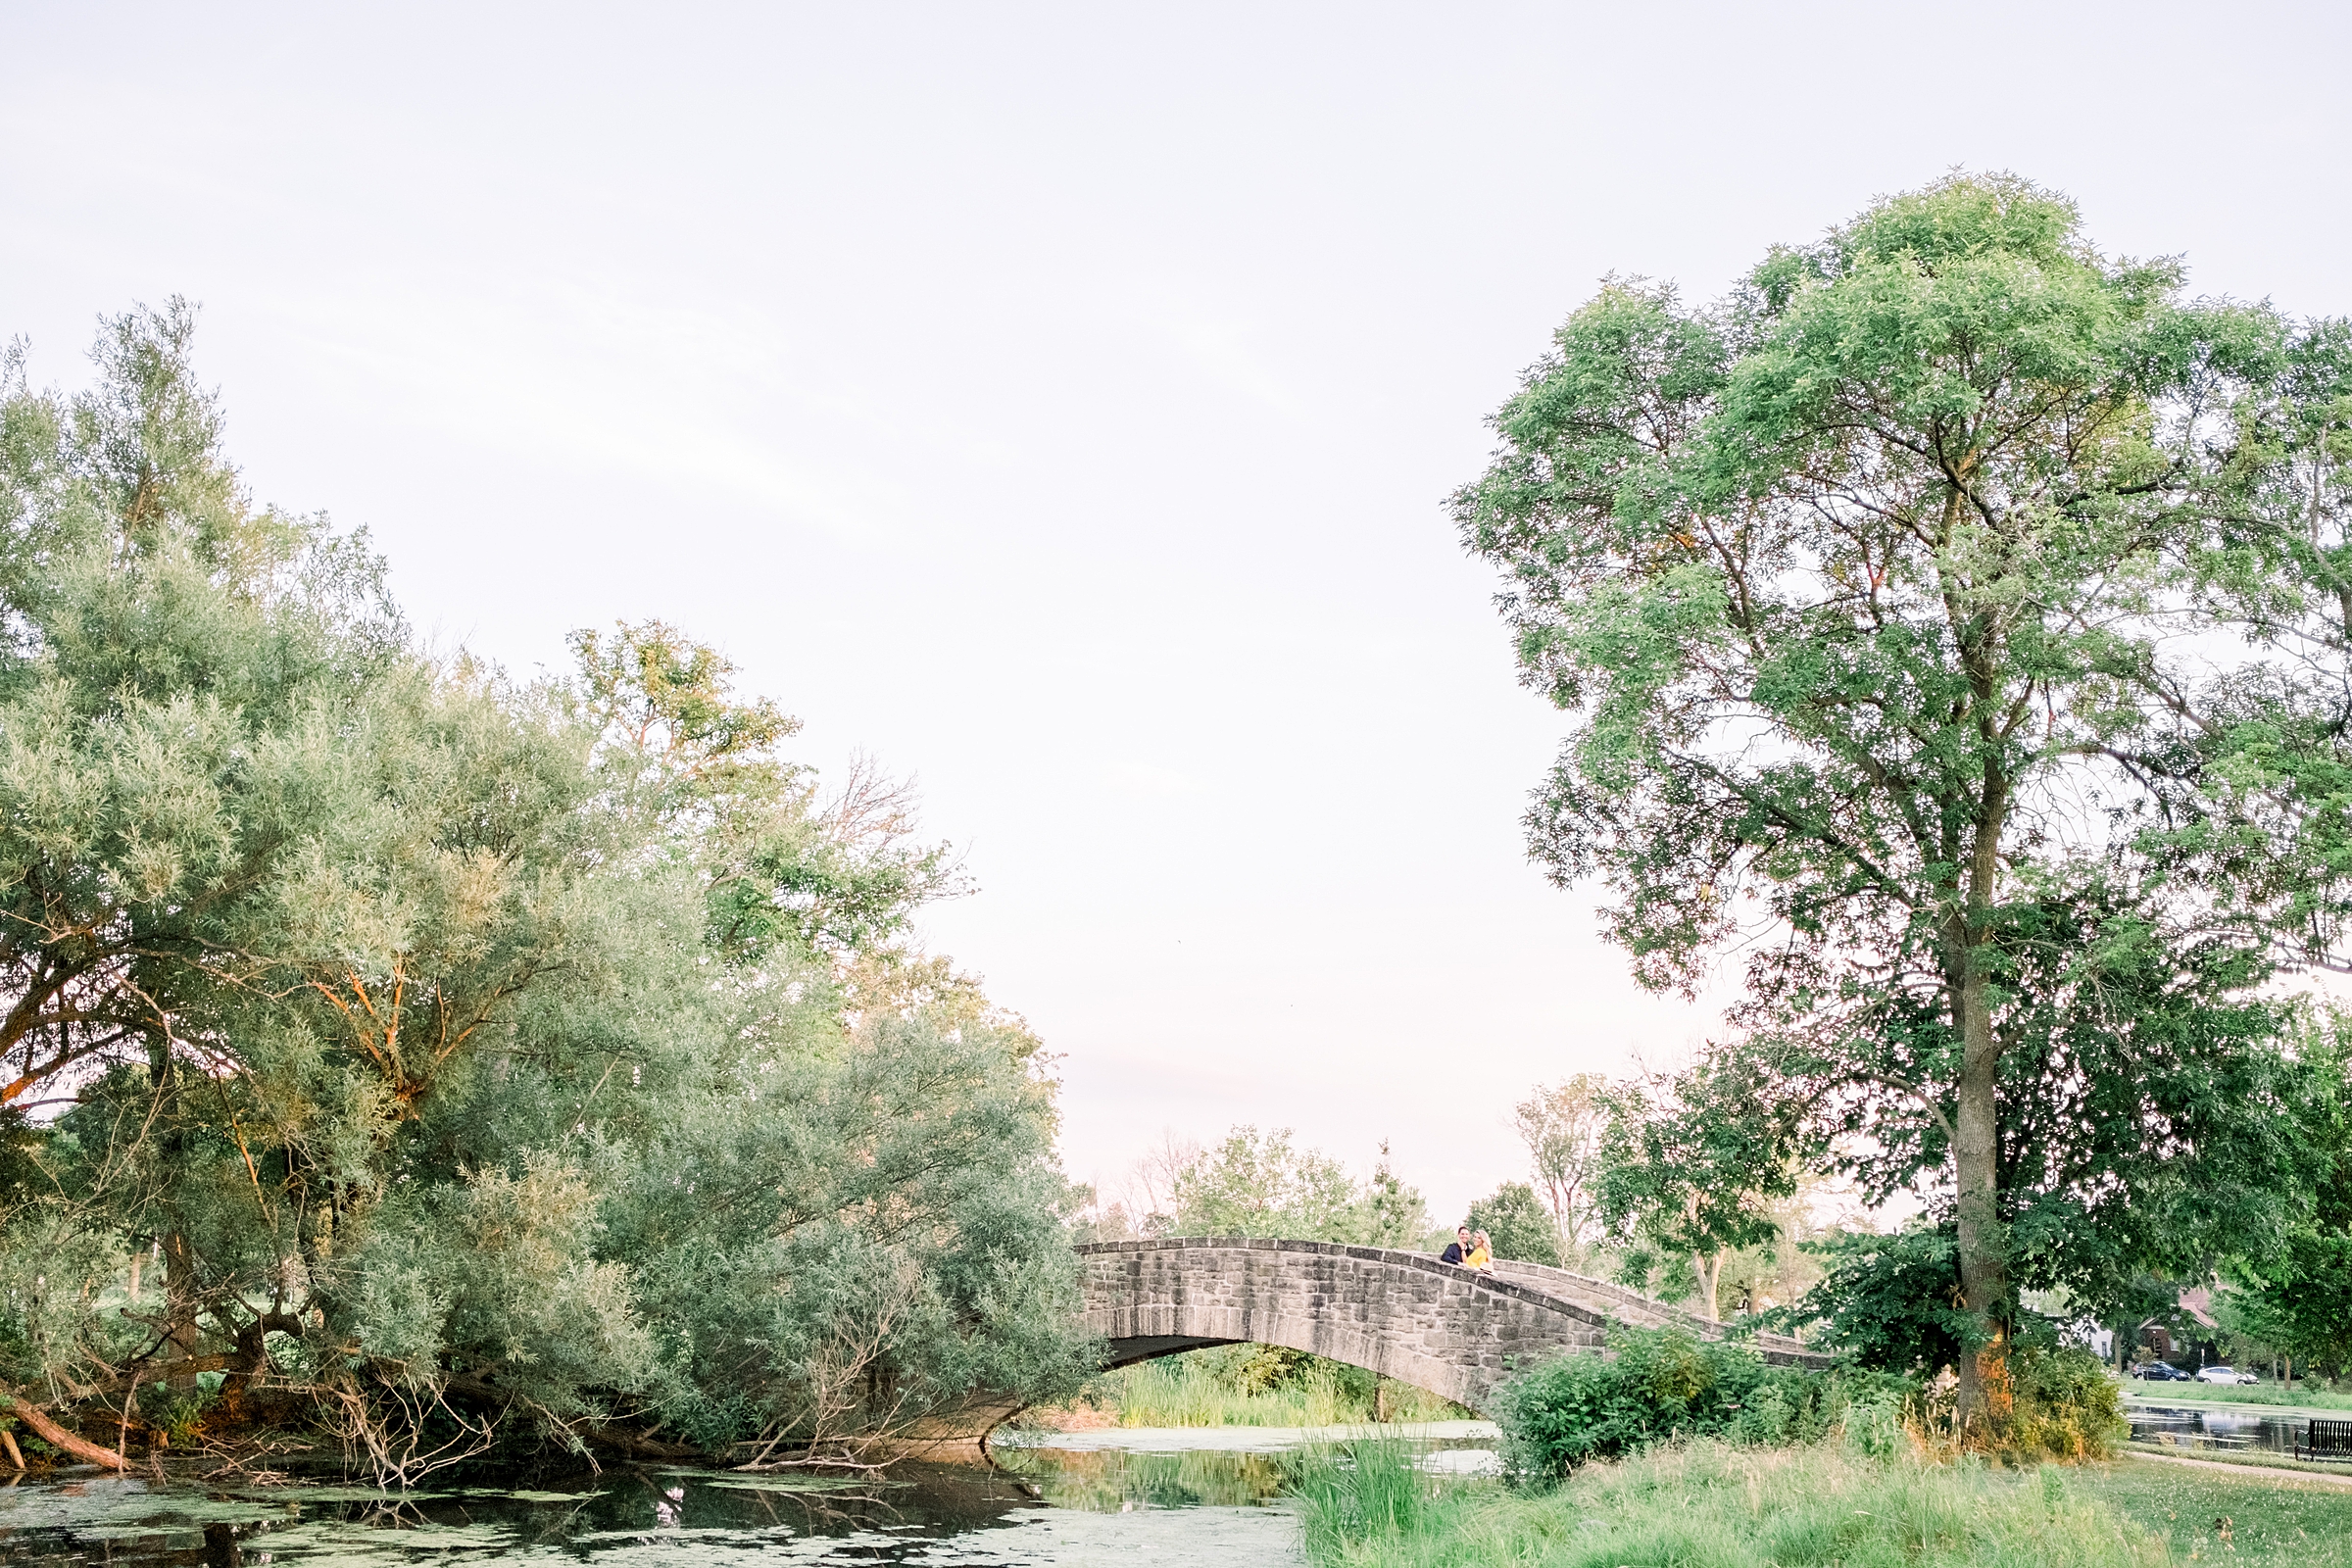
[(1167, 1499), (2196, 1427)]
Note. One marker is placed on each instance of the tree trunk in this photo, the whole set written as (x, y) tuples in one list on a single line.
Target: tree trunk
[(1976, 1172), (1711, 1271), (58, 1437), (180, 1333), (250, 1361)]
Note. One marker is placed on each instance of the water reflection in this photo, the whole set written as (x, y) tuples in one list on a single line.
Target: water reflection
[(2241, 1430), (1118, 1470), (1107, 1479), (1049, 1507)]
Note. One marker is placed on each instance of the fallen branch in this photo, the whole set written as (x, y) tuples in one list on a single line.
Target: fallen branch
[(629, 1442), (761, 1467), (58, 1437)]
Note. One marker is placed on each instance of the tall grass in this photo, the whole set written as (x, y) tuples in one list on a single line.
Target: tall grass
[(1713, 1505), (1203, 1389), (1367, 1491)]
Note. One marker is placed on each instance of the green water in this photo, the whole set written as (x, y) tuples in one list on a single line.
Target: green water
[(1130, 1498)]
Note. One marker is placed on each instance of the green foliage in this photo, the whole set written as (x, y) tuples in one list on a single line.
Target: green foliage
[(1891, 1302), (1258, 1184), (1365, 1491), (1659, 1385), (474, 1061), (1518, 1225), (2297, 1297), (1884, 596), (1694, 1174), (2062, 1405)]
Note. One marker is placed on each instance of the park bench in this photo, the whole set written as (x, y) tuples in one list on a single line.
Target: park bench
[(2327, 1440)]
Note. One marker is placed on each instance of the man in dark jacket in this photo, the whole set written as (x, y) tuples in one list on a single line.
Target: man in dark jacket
[(1457, 1249)]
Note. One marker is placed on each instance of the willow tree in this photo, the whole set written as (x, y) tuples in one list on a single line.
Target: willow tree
[(487, 1061), (1885, 597)]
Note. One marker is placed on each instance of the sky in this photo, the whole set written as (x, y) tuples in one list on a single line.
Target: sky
[(1058, 405)]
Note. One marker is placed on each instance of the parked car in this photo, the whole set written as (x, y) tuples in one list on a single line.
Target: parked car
[(2159, 1372), (2227, 1375)]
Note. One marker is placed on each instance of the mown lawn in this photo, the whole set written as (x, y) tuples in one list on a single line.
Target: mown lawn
[(2269, 1520)]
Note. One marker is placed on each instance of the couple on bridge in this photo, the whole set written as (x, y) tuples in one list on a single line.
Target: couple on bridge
[(1469, 1249)]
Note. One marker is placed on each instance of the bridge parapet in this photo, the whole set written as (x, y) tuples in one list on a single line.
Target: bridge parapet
[(1644, 1311)]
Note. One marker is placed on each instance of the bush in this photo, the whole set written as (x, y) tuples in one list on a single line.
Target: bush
[(1661, 1384), (2062, 1405)]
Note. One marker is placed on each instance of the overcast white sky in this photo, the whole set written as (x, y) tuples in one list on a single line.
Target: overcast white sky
[(1059, 403)]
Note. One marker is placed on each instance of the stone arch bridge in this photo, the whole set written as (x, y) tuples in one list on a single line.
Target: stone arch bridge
[(1406, 1315), (1452, 1331)]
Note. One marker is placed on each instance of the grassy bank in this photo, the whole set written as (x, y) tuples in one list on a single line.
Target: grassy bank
[(2304, 1396), (1246, 1386), (1711, 1505)]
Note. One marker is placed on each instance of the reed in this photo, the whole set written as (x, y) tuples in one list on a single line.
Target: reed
[(1202, 1390)]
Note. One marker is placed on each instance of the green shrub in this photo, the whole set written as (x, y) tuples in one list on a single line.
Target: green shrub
[(1661, 1384), (1885, 1301), (2062, 1405), (177, 1416)]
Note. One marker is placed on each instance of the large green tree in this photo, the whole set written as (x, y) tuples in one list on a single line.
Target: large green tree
[(488, 1063), (176, 659), (1693, 1170), (1261, 1183), (2297, 1297), (1517, 1225), (1902, 604), (1561, 1124)]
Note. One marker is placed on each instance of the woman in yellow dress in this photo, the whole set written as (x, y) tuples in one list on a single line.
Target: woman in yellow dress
[(1482, 1254)]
